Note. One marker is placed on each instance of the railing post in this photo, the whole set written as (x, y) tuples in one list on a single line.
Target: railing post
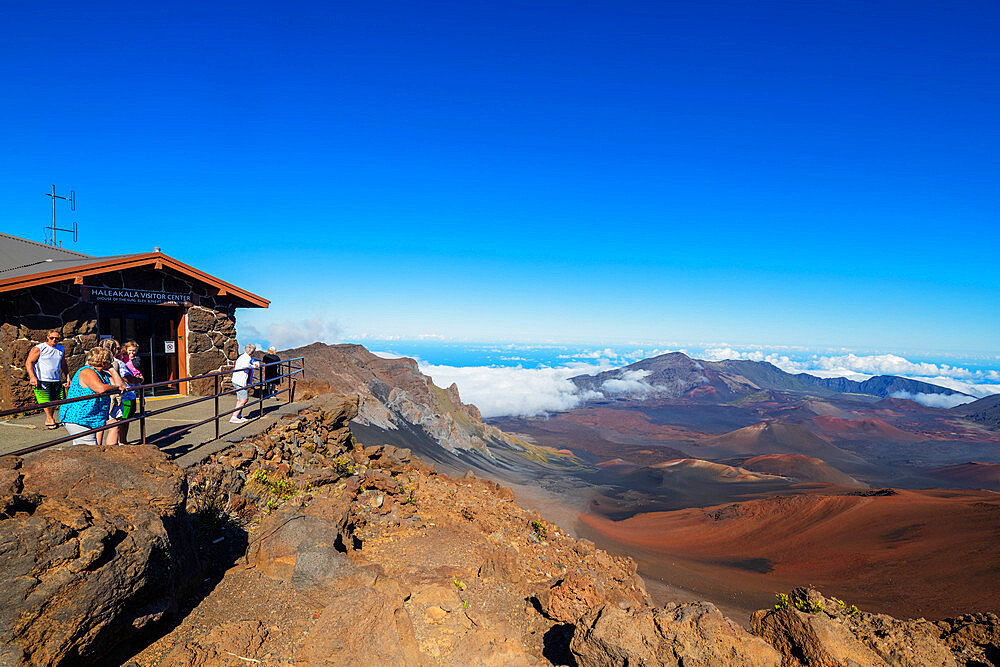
[(216, 407), (263, 390), (142, 414)]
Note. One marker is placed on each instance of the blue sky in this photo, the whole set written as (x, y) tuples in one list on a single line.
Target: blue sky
[(785, 173)]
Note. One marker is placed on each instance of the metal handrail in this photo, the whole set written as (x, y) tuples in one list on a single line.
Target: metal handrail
[(141, 395)]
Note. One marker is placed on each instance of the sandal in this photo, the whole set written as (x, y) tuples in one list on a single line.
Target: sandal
[(52, 427)]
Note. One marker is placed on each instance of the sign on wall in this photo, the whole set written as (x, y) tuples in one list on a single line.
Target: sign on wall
[(138, 296), (169, 346)]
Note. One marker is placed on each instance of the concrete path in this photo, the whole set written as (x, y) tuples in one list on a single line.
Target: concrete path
[(166, 431)]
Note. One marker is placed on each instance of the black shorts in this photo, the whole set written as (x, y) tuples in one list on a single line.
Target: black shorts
[(48, 391)]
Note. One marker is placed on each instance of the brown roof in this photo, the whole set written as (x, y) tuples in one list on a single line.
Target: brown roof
[(25, 263)]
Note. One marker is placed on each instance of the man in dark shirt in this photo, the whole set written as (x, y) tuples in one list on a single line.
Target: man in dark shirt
[(271, 372)]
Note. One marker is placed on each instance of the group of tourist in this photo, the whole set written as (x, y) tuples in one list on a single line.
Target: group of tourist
[(109, 373)]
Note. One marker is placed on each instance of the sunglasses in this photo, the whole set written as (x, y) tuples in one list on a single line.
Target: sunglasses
[(53, 337)]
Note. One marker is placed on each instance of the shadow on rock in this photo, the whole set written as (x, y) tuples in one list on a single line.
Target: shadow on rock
[(95, 546)]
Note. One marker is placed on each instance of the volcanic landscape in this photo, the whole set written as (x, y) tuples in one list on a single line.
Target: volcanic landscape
[(734, 480), (729, 481)]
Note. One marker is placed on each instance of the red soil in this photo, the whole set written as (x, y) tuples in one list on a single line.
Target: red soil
[(631, 422), (973, 475), (614, 462), (801, 467), (926, 553), (863, 429)]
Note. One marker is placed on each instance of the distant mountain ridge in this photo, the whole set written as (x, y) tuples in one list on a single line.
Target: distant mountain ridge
[(986, 411), (676, 375)]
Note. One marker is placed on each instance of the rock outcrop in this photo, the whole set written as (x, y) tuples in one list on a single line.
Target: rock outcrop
[(374, 558), (94, 544), (689, 635), (394, 394), (815, 631)]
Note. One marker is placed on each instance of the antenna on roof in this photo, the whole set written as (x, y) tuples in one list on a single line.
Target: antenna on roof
[(53, 229)]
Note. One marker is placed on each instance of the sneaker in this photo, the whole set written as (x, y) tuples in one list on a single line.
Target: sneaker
[(238, 420)]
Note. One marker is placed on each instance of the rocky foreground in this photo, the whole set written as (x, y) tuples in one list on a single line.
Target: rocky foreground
[(303, 547)]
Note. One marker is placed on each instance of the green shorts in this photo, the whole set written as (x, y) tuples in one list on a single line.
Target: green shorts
[(128, 409), (48, 391)]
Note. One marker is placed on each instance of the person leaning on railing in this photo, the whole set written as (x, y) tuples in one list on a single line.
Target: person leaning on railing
[(271, 372), (92, 379)]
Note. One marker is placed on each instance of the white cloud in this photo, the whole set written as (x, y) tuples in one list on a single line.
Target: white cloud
[(889, 364), (514, 391), (979, 390), (934, 400), (387, 355), (638, 355), (630, 382), (606, 353), (289, 334), (720, 353)]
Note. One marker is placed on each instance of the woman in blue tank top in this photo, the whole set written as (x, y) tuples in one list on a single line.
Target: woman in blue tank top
[(90, 380)]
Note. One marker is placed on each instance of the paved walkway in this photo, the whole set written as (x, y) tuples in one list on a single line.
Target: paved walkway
[(168, 430)]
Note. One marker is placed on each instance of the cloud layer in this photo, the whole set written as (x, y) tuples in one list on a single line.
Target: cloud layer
[(630, 382), (934, 400), (527, 392), (514, 391)]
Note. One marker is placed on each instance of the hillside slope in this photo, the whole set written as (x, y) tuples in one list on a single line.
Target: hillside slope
[(986, 411), (394, 394)]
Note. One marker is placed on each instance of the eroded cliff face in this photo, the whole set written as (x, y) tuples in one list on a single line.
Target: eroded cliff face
[(393, 393)]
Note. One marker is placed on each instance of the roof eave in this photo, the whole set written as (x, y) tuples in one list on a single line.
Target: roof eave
[(156, 259)]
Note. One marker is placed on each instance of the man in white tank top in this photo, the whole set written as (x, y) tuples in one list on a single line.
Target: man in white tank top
[(46, 366)]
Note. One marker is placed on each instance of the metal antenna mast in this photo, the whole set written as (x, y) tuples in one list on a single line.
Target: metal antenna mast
[(72, 206)]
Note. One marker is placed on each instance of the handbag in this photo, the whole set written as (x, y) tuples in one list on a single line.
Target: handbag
[(116, 399)]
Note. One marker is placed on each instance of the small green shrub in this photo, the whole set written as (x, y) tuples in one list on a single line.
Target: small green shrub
[(782, 600), (808, 606), (538, 528), (343, 465), (280, 487)]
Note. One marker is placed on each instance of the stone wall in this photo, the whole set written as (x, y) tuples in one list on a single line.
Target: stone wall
[(211, 346), (27, 315)]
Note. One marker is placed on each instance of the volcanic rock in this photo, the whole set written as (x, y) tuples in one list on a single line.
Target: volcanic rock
[(95, 542), (363, 626), (816, 631), (695, 634), (394, 394)]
